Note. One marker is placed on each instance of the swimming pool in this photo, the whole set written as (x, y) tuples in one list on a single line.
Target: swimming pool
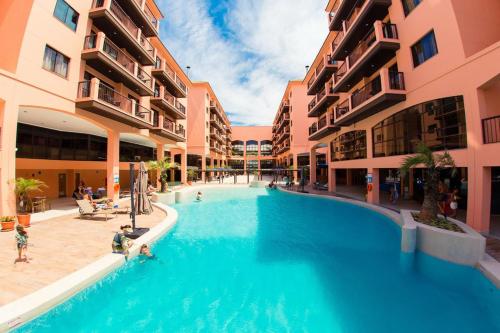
[(253, 260)]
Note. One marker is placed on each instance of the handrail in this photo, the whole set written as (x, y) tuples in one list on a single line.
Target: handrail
[(353, 14), (340, 72), (362, 46), (334, 8), (150, 16), (396, 80), (342, 108), (311, 104), (115, 53), (146, 44), (109, 95), (313, 129), (491, 130), (83, 89), (337, 39), (366, 92), (322, 122), (120, 14)]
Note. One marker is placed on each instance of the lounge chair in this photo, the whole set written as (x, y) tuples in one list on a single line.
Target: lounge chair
[(87, 210)]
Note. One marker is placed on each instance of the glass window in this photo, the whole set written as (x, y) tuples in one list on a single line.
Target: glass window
[(266, 148), (252, 148), (55, 62), (348, 146), (410, 5), (238, 147), (440, 124), (252, 165), (66, 14), (424, 49)]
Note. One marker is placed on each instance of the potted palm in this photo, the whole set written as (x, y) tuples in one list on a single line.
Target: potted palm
[(433, 164), (191, 174), (8, 222), (162, 168), (23, 188)]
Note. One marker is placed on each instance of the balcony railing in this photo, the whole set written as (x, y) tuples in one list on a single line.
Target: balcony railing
[(491, 130), (354, 14), (388, 30), (83, 89), (366, 92), (336, 41), (313, 129), (150, 16), (127, 23), (340, 72), (342, 108)]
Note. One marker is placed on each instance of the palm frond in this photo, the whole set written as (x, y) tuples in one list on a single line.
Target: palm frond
[(411, 162)]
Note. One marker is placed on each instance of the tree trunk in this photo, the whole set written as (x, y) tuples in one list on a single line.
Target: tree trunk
[(429, 208)]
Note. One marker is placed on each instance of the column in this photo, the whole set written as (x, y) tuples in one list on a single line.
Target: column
[(184, 166), (373, 195), (203, 167), (296, 167), (8, 119), (113, 166), (349, 177), (332, 180), (312, 166), (479, 198), (160, 156)]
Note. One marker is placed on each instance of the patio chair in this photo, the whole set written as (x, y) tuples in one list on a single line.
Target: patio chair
[(87, 210)]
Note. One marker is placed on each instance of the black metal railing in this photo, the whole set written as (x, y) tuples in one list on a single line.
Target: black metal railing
[(396, 80), (366, 92), (342, 109), (83, 89), (491, 130)]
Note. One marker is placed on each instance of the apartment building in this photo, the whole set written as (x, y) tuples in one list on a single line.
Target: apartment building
[(393, 73), (209, 130), (251, 148), (87, 87), (291, 145)]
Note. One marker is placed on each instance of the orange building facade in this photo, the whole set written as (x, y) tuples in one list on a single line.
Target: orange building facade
[(209, 130), (393, 73), (252, 148), (87, 86)]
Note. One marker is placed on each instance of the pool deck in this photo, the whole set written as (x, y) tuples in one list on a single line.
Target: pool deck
[(57, 247)]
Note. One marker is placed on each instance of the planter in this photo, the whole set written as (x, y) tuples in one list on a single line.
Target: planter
[(8, 225), (24, 220), (167, 198), (465, 248)]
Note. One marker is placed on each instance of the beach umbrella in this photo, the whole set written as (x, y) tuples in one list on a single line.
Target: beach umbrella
[(142, 202)]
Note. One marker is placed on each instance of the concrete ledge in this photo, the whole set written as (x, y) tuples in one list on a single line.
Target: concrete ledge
[(17, 313), (461, 248), (408, 228), (491, 269), (167, 198), (187, 194), (259, 183)]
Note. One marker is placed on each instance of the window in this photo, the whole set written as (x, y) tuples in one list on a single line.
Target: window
[(238, 147), (266, 148), (55, 62), (424, 49), (252, 148), (439, 123), (410, 5), (66, 14), (348, 146)]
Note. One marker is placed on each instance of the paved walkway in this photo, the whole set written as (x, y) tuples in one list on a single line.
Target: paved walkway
[(58, 247)]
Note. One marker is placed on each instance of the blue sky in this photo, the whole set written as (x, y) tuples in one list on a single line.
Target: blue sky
[(246, 49)]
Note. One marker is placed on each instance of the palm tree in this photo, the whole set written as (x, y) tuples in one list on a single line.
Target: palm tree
[(25, 186), (433, 163), (162, 167)]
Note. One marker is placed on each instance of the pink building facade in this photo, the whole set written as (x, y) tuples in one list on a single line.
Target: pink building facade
[(392, 73), (291, 144), (209, 133), (87, 87), (251, 148)]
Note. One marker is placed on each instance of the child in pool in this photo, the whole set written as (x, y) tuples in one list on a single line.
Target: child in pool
[(199, 196)]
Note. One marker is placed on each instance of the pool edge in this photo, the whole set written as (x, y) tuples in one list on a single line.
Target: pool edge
[(19, 312), (487, 266)]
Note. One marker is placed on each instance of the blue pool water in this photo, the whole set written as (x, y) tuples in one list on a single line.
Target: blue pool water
[(253, 260)]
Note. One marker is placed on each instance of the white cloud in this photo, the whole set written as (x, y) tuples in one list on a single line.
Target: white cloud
[(269, 43)]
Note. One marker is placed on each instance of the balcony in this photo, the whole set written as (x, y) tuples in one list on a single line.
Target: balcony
[(166, 75), (324, 127), (110, 18), (372, 52), (339, 12), (214, 121), (322, 73), (141, 14), (99, 98), (284, 135), (491, 130), (357, 24), (322, 101), (168, 129), (100, 53), (285, 119), (168, 103), (214, 134), (383, 91)]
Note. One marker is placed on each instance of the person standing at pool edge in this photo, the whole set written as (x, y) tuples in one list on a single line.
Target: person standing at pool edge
[(22, 244)]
